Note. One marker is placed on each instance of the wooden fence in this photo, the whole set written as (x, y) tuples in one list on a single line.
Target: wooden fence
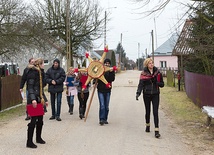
[(200, 88), (9, 90)]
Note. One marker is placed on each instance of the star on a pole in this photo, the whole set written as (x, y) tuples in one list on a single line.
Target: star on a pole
[(96, 69)]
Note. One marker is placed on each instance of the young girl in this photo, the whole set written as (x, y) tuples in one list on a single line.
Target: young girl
[(82, 95), (71, 83)]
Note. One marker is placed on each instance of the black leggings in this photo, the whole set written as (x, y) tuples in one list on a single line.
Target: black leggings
[(82, 102), (36, 120), (155, 105)]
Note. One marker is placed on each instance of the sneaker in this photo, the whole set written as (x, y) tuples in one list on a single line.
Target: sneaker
[(81, 116), (147, 129), (105, 122), (101, 122), (157, 134), (58, 119), (51, 118)]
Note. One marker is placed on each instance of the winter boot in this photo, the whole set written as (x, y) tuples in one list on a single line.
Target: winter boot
[(157, 134), (84, 112), (68, 101), (81, 113), (39, 132), (30, 131), (71, 109), (147, 127)]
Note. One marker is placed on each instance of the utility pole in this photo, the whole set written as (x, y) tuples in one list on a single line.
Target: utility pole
[(105, 30), (121, 38), (105, 22), (68, 34), (146, 52), (138, 56), (152, 45), (156, 34)]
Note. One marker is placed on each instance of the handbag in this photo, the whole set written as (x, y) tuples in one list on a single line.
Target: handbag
[(38, 111)]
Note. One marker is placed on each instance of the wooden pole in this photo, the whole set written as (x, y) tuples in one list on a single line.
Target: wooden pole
[(105, 31), (138, 56), (90, 101), (68, 35), (152, 45)]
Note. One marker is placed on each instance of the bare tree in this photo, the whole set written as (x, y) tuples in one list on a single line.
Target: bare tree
[(85, 22), (159, 5), (12, 13)]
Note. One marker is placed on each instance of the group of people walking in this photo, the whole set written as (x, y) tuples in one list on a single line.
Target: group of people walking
[(55, 77)]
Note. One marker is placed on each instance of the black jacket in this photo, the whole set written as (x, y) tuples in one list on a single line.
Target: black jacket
[(24, 77), (148, 82), (33, 85), (57, 75), (110, 77)]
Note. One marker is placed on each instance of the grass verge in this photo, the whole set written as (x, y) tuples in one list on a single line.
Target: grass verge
[(188, 117), (12, 113)]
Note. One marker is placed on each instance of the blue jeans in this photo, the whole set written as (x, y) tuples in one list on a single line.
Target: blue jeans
[(54, 96), (70, 100), (104, 99)]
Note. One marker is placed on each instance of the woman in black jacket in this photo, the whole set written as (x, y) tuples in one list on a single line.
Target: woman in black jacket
[(35, 85), (150, 81)]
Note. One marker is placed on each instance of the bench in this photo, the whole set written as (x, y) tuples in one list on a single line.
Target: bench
[(210, 113)]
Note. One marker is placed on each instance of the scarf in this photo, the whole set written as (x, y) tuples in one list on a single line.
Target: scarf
[(147, 76)]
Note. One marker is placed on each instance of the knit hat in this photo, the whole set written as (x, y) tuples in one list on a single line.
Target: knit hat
[(56, 60), (107, 60)]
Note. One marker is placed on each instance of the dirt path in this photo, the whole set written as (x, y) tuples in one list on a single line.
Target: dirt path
[(124, 135)]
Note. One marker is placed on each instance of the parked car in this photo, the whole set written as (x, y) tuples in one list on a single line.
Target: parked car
[(8, 68)]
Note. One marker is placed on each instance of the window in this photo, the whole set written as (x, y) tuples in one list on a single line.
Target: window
[(46, 62), (163, 64)]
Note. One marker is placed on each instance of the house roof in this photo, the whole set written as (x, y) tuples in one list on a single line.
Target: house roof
[(108, 54), (167, 47), (95, 55), (181, 47)]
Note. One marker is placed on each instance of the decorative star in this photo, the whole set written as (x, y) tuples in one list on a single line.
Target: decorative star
[(96, 69)]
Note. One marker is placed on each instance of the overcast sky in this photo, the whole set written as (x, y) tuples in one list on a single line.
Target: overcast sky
[(136, 28)]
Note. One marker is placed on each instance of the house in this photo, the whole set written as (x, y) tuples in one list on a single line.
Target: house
[(163, 58), (98, 53), (181, 48)]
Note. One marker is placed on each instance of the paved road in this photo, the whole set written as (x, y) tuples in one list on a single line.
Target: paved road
[(124, 135)]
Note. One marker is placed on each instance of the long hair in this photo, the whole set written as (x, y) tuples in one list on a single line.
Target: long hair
[(37, 63)]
